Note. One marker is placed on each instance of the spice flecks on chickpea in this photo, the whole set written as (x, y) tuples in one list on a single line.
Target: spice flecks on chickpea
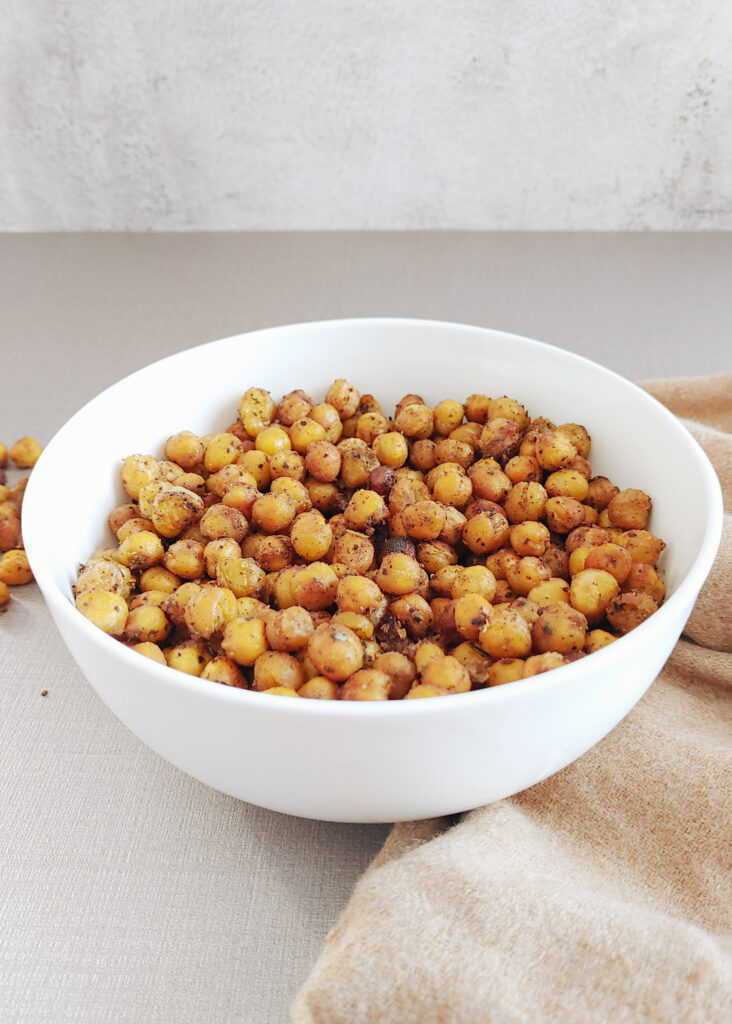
[(25, 452)]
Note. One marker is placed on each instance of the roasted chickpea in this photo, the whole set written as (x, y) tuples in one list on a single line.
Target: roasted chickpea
[(526, 500), (523, 468), (256, 410), (453, 451), (359, 594), (399, 574), (209, 610), (630, 509), (579, 437), (474, 579), (550, 591), (499, 561), (159, 578), (644, 579), (422, 455), (335, 651), (223, 547), (425, 652), (415, 420), (357, 465), (448, 415), (315, 586), (434, 555), (539, 663), (242, 576), (224, 670), (104, 574), (244, 640), (185, 449), (600, 492), (641, 545), (452, 488), (486, 532), (146, 624), (471, 612), (25, 452), (323, 461), (563, 514), (222, 450), (507, 670), (273, 512), (151, 651), (559, 627), (107, 610), (327, 416), (423, 520), (190, 657), (289, 630), (477, 408), (287, 464), (366, 684), (354, 550), (527, 573), (554, 450), (611, 557), (305, 432), (446, 673), (319, 688), (134, 525), (597, 639), (294, 406), (499, 439), (529, 538), (628, 610), (222, 521), (506, 635), (566, 483), (366, 510), (489, 481), (400, 670), (276, 668), (325, 497), (414, 613), (137, 471), (257, 464), (344, 397), (509, 409), (141, 551), (590, 592)]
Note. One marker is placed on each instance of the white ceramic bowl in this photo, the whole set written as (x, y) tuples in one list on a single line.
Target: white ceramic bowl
[(371, 761)]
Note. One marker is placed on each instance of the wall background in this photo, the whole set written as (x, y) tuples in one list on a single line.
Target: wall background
[(312, 114)]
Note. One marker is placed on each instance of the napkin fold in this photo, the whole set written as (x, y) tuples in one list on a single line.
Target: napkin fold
[(603, 894)]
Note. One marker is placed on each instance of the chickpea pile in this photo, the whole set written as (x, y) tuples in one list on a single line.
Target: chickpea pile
[(14, 568), (325, 550)]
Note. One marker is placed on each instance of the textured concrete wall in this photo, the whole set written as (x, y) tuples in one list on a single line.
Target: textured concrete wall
[(519, 114)]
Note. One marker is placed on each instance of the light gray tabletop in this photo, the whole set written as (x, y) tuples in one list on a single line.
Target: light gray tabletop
[(131, 892)]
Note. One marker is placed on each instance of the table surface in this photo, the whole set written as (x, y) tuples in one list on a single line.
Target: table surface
[(132, 892)]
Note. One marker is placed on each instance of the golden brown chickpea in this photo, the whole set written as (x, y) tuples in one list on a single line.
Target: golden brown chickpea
[(366, 510), (566, 483), (289, 629), (146, 624), (158, 578), (357, 465), (474, 579), (476, 408), (327, 416), (190, 657), (559, 627), (106, 610), (529, 538), (406, 491), (229, 476), (499, 439), (422, 690), (611, 557), (141, 551), (628, 610), (192, 482), (467, 433), (448, 415), (476, 662), (135, 525), (452, 531), (224, 670), (294, 406), (252, 608), (120, 515), (550, 591), (499, 561), (276, 668), (579, 437), (486, 532), (600, 492), (644, 579), (563, 514), (446, 673), (554, 450), (151, 651), (149, 598), (523, 468), (399, 574), (489, 481), (344, 397), (367, 684), (425, 652), (509, 409), (596, 640), (641, 545), (526, 500), (273, 512), (452, 487), (400, 670), (415, 421), (325, 497), (434, 555), (242, 576), (586, 537), (539, 663), (507, 670), (506, 635), (423, 520), (335, 651), (303, 433), (414, 613), (422, 455), (578, 560), (257, 464), (311, 536), (527, 573), (222, 521), (209, 610), (557, 561), (319, 688), (185, 449), (137, 471), (315, 586), (104, 574), (603, 521), (256, 410), (354, 550), (222, 450), (630, 509), (370, 425), (391, 449), (25, 452), (287, 464), (241, 497), (323, 461), (591, 591), (359, 594), (244, 640), (361, 626), (223, 547), (453, 451), (471, 611), (528, 610), (172, 509)]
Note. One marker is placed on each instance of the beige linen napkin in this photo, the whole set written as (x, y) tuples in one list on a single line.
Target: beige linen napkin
[(603, 894)]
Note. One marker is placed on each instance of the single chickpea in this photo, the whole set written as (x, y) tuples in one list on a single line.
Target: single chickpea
[(486, 532), (146, 624), (356, 466), (506, 635), (446, 673), (523, 468), (539, 663), (474, 579), (559, 627), (354, 550), (554, 450), (137, 471), (452, 531), (424, 520), (452, 487), (361, 626), (448, 415), (366, 684), (585, 536), (325, 497), (449, 450), (567, 483), (311, 536), (274, 552), (414, 613), (426, 652), (273, 512), (407, 491), (506, 670), (597, 639), (141, 551), (104, 574), (242, 576), (25, 452), (526, 500), (315, 586), (120, 515), (472, 612), (563, 514), (319, 688), (323, 461), (222, 547), (420, 690), (304, 432), (391, 449), (400, 670), (399, 574), (336, 652), (289, 629), (149, 598), (550, 591), (627, 611), (344, 397), (366, 510), (244, 640), (277, 668), (359, 594), (600, 492), (641, 545), (415, 421), (644, 579), (256, 410), (106, 610), (579, 437), (159, 578), (434, 555), (257, 464), (529, 538), (209, 610), (476, 662), (281, 691), (225, 671), (190, 657), (467, 433), (370, 425), (185, 449), (527, 573), (499, 439), (557, 561), (590, 592), (222, 450), (151, 651), (422, 455), (443, 580), (613, 558), (294, 406), (327, 416), (477, 407), (630, 509)]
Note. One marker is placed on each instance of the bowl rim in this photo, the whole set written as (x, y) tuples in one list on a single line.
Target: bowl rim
[(62, 607)]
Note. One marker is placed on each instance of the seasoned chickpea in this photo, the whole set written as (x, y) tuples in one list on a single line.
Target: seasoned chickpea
[(223, 547), (415, 420), (434, 555), (256, 410), (507, 670), (489, 481), (425, 652), (209, 610), (244, 640), (641, 545), (366, 684), (335, 651), (277, 668), (550, 591), (527, 573), (357, 465), (472, 612), (344, 397), (327, 416), (566, 483), (146, 624), (319, 688), (477, 408), (391, 449), (185, 449), (399, 574), (586, 537), (578, 435), (273, 512), (628, 610), (529, 538), (273, 552), (452, 487), (446, 673), (105, 609), (452, 531), (400, 670), (448, 415), (526, 500), (361, 626), (359, 594), (611, 557), (644, 579), (242, 576), (597, 639), (315, 586), (287, 464), (630, 509), (366, 510), (539, 663), (486, 532), (370, 425), (499, 439), (305, 432), (175, 508), (120, 515), (509, 409), (149, 598), (325, 497), (523, 468), (422, 455), (554, 450), (257, 464), (600, 492), (414, 613), (25, 452), (474, 579), (104, 574), (190, 657), (137, 471), (159, 578), (311, 536), (590, 592), (141, 550), (563, 514), (294, 406), (222, 450), (423, 520), (151, 651), (451, 450), (222, 521), (323, 461), (354, 550), (476, 662), (289, 629), (506, 635), (225, 671), (419, 690), (499, 561), (559, 627)]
